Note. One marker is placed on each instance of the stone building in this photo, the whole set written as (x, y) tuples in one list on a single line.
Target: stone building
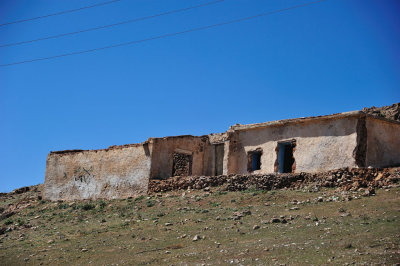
[(312, 144)]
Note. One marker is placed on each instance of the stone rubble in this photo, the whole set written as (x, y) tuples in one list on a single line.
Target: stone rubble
[(391, 112), (346, 179)]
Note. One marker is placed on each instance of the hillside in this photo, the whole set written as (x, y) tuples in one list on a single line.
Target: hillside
[(309, 225), (342, 216)]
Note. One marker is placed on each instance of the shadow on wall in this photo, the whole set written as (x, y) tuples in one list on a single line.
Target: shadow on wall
[(278, 142)]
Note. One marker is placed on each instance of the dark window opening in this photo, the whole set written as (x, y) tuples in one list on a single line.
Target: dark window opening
[(254, 160), (219, 158), (285, 157), (182, 164)]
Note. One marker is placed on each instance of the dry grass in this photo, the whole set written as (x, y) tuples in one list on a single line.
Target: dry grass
[(160, 229)]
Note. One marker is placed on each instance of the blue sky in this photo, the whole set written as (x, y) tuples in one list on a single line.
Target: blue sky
[(330, 57)]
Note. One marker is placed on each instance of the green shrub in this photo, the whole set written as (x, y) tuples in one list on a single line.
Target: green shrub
[(88, 206), (250, 189), (8, 222), (63, 206), (139, 198), (102, 204), (215, 204), (150, 203), (124, 224), (219, 193)]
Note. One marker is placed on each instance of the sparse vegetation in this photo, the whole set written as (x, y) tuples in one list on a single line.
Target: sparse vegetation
[(140, 198), (63, 206), (88, 206), (150, 203), (102, 204), (215, 204), (215, 227)]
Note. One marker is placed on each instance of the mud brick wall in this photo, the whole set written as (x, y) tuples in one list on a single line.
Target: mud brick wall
[(321, 145), (383, 143), (117, 172), (163, 150)]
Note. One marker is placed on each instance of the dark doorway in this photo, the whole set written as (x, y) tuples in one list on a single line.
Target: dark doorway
[(285, 156), (182, 164), (219, 158), (254, 160)]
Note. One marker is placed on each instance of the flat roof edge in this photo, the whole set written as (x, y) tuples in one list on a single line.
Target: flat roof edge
[(240, 127), (113, 147), (296, 120), (383, 119), (310, 118)]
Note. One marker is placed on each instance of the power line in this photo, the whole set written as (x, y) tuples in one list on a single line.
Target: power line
[(114, 24), (164, 35), (59, 13)]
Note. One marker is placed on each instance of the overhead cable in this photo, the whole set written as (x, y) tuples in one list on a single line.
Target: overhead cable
[(59, 13), (114, 24), (164, 35)]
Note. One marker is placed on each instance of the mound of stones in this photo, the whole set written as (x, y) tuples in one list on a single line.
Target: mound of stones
[(391, 112), (345, 179)]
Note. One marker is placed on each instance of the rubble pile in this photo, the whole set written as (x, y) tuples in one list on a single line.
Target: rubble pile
[(391, 112), (181, 163), (345, 179)]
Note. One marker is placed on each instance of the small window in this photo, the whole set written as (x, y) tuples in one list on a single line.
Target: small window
[(254, 160)]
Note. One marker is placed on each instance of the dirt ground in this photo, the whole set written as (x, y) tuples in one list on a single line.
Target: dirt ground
[(205, 227)]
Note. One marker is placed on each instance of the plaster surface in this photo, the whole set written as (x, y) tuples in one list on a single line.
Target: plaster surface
[(321, 145), (383, 143), (111, 173)]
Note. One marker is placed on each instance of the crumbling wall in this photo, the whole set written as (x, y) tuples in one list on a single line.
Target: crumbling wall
[(391, 112), (321, 145), (383, 143), (164, 149), (117, 172)]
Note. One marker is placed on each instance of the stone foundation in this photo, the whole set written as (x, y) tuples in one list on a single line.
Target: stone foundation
[(345, 179)]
